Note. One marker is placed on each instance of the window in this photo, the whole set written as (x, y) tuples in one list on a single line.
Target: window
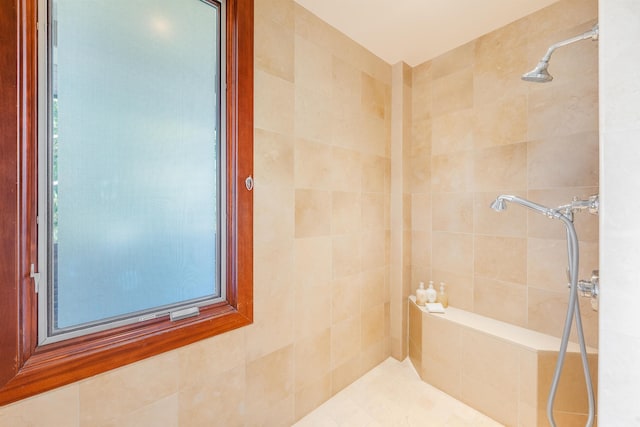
[(130, 163), (131, 212)]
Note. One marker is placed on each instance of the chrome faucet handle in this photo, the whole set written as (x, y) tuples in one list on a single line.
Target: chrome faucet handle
[(594, 208), (591, 288)]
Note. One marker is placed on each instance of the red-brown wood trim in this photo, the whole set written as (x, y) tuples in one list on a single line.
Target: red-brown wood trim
[(9, 196), (240, 120), (25, 368)]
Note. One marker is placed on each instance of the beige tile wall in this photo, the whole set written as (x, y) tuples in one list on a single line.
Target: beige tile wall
[(323, 217), (321, 261), (479, 131)]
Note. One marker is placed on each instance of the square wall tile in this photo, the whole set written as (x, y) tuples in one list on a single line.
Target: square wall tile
[(114, 394), (501, 122), (372, 325), (452, 172), (312, 396), (459, 286), (273, 158), (346, 170), (452, 132), (500, 300), (453, 252), (313, 213), (346, 258), (269, 380), (345, 340), (452, 212), (312, 310), (312, 262), (500, 167), (313, 66), (566, 161), (274, 47), (346, 294), (372, 96), (313, 115), (274, 103), (442, 354), (453, 92), (312, 359), (565, 109), (346, 212), (205, 359), (312, 165), (501, 258), (201, 404)]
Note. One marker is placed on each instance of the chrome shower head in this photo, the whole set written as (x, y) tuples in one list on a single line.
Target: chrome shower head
[(498, 205), (538, 74)]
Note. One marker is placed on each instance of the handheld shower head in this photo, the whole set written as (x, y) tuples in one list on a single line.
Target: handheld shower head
[(540, 74), (499, 205)]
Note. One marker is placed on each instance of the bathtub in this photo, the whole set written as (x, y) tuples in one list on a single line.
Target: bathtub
[(500, 369)]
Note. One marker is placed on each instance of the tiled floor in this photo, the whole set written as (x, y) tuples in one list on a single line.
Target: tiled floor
[(392, 395)]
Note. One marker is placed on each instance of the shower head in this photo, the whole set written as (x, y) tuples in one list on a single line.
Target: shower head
[(540, 74), (498, 205)]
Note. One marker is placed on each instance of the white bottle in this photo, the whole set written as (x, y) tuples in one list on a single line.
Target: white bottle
[(421, 295), (431, 293), (443, 298)]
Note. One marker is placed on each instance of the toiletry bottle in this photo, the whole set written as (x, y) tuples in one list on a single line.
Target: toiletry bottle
[(443, 298), (431, 293), (421, 295)]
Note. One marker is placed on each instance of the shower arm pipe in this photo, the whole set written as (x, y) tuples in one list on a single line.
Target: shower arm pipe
[(592, 34)]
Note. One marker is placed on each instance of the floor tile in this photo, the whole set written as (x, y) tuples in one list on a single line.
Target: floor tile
[(393, 395)]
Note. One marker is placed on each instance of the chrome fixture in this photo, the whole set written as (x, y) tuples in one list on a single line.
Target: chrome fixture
[(565, 214), (591, 288), (540, 74), (592, 204)]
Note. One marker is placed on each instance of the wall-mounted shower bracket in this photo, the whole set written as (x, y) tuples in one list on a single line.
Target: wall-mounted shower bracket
[(591, 288), (590, 204)]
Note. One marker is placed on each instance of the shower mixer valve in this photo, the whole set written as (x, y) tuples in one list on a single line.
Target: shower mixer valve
[(591, 288)]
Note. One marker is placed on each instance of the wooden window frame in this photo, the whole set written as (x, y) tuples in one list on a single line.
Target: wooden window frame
[(27, 369)]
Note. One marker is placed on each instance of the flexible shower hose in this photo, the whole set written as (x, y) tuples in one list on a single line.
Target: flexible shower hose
[(573, 310)]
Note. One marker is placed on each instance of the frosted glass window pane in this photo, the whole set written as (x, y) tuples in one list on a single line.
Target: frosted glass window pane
[(134, 174)]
